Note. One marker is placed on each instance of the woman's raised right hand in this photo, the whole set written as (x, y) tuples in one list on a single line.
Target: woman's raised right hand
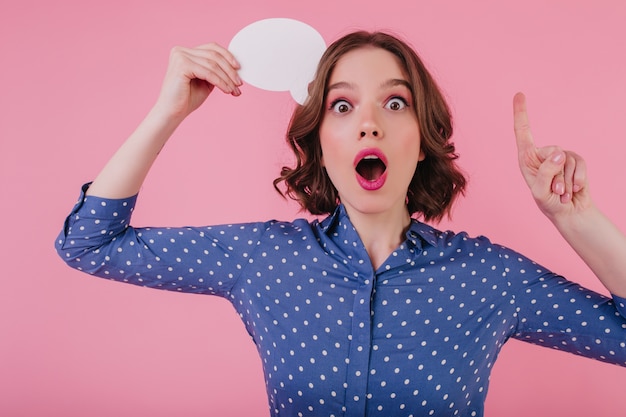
[(191, 76)]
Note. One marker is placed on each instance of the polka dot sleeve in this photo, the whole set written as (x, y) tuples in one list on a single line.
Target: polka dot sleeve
[(98, 239), (620, 302), (560, 314)]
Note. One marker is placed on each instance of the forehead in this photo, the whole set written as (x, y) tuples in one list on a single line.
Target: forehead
[(367, 64)]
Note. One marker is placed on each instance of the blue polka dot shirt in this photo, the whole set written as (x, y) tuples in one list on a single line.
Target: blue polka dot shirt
[(417, 337)]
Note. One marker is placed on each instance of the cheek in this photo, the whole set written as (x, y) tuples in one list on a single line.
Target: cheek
[(330, 143), (323, 144), (336, 159), (410, 154), (412, 148), (331, 154)]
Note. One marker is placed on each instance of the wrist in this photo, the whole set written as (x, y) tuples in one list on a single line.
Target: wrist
[(577, 222), (162, 115)]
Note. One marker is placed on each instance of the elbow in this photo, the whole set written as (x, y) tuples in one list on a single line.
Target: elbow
[(74, 255)]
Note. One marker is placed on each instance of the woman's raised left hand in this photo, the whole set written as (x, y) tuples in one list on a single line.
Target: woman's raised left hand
[(557, 178)]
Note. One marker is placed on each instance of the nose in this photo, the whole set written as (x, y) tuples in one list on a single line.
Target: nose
[(370, 125), (373, 133)]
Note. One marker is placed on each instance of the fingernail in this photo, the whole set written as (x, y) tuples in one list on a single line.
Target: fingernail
[(576, 188), (560, 189), (558, 157)]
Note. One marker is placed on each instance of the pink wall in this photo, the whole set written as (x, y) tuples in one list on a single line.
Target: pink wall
[(76, 79)]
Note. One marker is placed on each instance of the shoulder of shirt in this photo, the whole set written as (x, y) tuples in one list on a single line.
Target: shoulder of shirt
[(417, 231), (449, 238), (286, 227)]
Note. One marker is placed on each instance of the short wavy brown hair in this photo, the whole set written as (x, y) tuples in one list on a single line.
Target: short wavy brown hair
[(437, 181)]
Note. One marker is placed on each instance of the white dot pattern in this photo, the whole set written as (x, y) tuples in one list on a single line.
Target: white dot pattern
[(417, 337)]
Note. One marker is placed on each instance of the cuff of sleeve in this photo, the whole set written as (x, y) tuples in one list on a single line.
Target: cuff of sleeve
[(93, 222), (620, 303), (89, 206), (94, 218)]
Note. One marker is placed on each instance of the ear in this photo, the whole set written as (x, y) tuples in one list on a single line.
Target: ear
[(422, 155)]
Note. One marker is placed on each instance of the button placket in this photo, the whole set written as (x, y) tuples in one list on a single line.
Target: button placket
[(360, 347)]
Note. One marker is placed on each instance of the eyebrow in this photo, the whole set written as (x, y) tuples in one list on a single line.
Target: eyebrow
[(387, 84), (395, 82)]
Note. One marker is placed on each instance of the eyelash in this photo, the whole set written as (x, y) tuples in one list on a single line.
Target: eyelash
[(402, 99), (337, 101)]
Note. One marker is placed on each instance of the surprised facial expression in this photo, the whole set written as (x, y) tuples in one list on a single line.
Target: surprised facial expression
[(369, 134)]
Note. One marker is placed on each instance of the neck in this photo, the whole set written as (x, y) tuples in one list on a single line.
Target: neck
[(381, 233)]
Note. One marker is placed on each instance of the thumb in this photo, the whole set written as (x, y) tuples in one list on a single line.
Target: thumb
[(550, 175)]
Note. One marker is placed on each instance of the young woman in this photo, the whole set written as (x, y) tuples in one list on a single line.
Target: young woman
[(369, 311)]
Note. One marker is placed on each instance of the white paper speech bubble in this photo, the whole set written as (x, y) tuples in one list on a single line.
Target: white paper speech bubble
[(278, 55)]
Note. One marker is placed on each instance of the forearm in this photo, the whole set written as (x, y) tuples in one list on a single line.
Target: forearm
[(191, 76), (600, 244), (125, 172)]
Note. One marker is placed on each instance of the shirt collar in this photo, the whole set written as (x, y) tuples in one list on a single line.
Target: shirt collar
[(421, 230), (418, 232)]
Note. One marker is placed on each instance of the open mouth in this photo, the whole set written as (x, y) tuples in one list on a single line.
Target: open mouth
[(371, 167)]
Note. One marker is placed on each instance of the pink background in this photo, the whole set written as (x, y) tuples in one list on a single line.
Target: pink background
[(76, 78)]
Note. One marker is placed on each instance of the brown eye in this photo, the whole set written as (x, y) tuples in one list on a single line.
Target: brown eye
[(396, 104), (341, 106)]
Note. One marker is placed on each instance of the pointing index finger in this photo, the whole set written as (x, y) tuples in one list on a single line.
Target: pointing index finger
[(523, 136)]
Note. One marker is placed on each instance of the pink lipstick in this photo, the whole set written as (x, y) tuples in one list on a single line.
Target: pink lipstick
[(371, 168)]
